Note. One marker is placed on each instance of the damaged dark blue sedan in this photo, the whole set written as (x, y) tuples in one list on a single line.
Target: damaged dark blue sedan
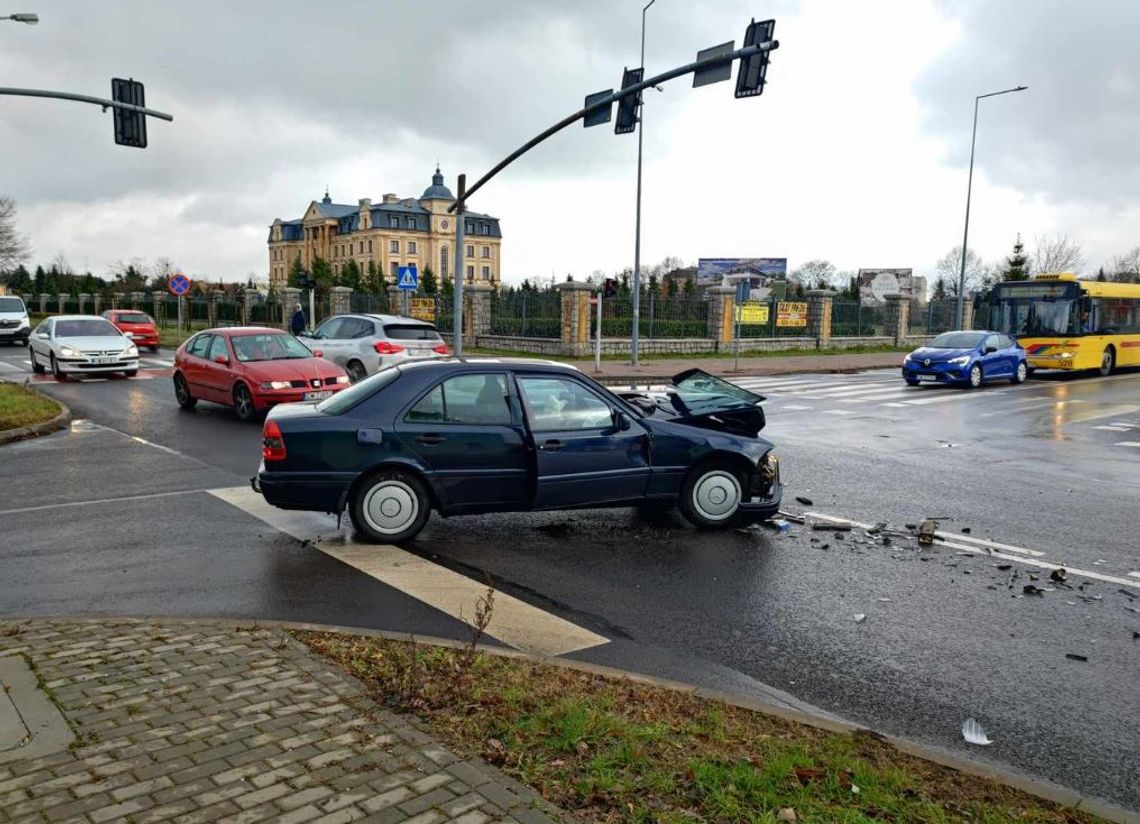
[(467, 436)]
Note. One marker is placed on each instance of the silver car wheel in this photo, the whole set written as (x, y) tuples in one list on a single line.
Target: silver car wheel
[(716, 495), (390, 507)]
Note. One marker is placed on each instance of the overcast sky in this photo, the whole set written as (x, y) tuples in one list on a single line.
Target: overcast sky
[(857, 151)]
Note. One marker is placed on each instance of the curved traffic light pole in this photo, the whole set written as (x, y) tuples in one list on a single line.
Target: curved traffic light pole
[(464, 194), (83, 98)]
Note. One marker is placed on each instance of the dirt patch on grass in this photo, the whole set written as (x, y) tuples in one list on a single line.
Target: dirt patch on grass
[(613, 750), (20, 407)]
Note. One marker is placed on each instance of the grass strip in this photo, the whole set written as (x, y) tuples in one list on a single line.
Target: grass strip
[(612, 750), (22, 407)]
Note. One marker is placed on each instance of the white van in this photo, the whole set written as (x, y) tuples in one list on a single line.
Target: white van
[(14, 324)]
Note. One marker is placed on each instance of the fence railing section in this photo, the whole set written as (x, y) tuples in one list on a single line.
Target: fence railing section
[(851, 319), (935, 317), (661, 317), (526, 314)]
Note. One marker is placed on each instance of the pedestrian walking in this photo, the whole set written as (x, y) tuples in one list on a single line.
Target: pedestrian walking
[(297, 323)]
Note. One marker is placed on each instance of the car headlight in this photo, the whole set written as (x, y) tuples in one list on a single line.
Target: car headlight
[(907, 359), (131, 351), (24, 323), (960, 361), (276, 385), (770, 467), (342, 379), (68, 352)]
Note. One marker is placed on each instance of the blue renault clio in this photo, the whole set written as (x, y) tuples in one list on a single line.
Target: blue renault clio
[(966, 359)]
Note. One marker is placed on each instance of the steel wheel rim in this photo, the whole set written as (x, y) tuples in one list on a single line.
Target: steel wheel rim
[(1022, 371), (356, 372), (976, 376), (244, 402), (390, 507), (1106, 362), (180, 391), (716, 495)]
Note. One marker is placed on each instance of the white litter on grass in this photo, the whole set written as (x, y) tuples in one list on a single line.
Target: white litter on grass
[(859, 617), (974, 734)]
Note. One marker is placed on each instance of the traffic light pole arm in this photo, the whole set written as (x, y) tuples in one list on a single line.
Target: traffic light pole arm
[(657, 80), (82, 98)]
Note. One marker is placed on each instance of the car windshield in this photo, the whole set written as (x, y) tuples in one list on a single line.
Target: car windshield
[(957, 340), (410, 331), (344, 400), (267, 347), (11, 305), (94, 328), (699, 393), (134, 317)]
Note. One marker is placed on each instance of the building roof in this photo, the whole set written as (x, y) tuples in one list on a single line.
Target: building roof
[(437, 191)]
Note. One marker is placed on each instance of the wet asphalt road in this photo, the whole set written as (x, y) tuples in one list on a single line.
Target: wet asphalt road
[(946, 635)]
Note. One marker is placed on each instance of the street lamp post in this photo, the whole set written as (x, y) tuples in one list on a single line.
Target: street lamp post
[(30, 19), (969, 190), (634, 333)]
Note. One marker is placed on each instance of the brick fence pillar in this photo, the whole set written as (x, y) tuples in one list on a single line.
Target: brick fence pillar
[(216, 297), (61, 300), (250, 297), (340, 300), (292, 296), (575, 317), (396, 302), (84, 299), (478, 297), (967, 313), (722, 303), (118, 300), (43, 302), (898, 317), (159, 300), (97, 301), (819, 306)]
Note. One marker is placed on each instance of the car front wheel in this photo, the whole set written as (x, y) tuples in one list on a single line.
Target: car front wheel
[(243, 403), (37, 367), (1020, 374), (975, 376), (711, 496), (391, 506), (56, 371)]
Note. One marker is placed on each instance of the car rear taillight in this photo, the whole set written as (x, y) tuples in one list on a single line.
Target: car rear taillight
[(383, 347), (272, 442), (441, 349)]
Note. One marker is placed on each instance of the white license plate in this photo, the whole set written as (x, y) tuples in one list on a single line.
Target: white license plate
[(927, 378), (101, 361), (317, 396)]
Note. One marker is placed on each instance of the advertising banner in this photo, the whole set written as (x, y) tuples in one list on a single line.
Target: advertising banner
[(791, 314)]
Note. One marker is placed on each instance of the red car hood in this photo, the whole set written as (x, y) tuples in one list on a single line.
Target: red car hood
[(143, 328), (298, 369)]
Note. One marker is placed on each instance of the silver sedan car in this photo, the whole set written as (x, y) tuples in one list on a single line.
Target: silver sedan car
[(364, 344), (81, 344)]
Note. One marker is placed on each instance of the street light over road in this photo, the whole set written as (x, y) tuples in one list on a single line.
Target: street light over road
[(969, 189), (30, 19)]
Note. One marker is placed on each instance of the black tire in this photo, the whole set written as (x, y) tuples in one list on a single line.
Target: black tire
[(1107, 362), (707, 497), (243, 403), (182, 393), (356, 371), (37, 367), (909, 382), (1029, 371), (977, 378), (1020, 374), (130, 373), (390, 506), (153, 349), (56, 371)]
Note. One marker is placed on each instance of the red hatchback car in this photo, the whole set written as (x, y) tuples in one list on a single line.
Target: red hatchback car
[(138, 326), (251, 369)]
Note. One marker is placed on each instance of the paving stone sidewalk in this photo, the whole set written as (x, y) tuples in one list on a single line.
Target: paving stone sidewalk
[(204, 722)]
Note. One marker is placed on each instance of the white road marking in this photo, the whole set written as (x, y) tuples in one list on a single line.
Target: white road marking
[(513, 622), (1134, 574), (947, 536), (943, 397), (7, 365), (100, 501), (895, 405), (838, 412), (1113, 428), (1127, 443), (141, 378), (793, 408), (164, 363)]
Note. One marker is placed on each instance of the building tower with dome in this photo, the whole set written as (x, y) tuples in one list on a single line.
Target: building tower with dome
[(392, 233)]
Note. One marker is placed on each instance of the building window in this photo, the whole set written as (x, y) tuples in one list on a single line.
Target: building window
[(486, 251), (394, 222), (411, 247), (470, 228), (486, 273), (471, 273), (443, 262), (394, 247), (362, 247), (370, 247), (394, 268), (410, 223), (470, 251)]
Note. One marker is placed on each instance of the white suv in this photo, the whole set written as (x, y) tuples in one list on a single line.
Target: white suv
[(14, 324), (364, 344)]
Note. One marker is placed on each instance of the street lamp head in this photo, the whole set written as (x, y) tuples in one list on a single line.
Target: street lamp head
[(30, 19)]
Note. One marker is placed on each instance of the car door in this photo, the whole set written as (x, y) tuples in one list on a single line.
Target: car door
[(468, 431), (40, 342), (1011, 351), (194, 369), (586, 450), (329, 339), (217, 378), (995, 362), (352, 334)]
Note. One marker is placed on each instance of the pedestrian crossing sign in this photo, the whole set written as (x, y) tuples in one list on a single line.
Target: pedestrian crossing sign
[(407, 277)]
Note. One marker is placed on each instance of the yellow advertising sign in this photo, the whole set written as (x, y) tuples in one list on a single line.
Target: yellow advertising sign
[(752, 313), (422, 309), (791, 314)]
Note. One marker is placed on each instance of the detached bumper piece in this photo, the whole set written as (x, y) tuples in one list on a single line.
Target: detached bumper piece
[(765, 492)]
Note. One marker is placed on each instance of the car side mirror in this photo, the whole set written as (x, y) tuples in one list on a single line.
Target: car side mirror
[(317, 353), (222, 360), (990, 350), (43, 335), (621, 421)]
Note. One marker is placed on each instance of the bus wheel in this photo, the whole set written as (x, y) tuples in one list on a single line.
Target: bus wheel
[(1107, 361)]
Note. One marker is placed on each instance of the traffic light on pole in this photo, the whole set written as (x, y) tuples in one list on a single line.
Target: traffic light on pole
[(751, 78), (627, 106), (609, 288), (130, 126)]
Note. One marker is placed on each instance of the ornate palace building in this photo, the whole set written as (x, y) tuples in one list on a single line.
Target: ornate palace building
[(396, 232)]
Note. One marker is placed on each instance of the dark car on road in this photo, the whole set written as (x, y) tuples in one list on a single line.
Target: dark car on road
[(466, 436), (966, 359)]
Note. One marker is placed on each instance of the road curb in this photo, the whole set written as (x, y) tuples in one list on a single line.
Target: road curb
[(1040, 788), (23, 433)]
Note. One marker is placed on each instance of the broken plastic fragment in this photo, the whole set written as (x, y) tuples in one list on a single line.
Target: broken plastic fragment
[(804, 501), (1059, 574), (1031, 589), (926, 531), (1072, 656), (974, 734), (859, 617)]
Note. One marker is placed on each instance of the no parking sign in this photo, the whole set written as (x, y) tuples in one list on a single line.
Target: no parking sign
[(179, 284)]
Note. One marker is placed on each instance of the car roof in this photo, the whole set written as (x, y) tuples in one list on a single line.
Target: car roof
[(384, 318), (517, 364), (238, 331), (77, 317)]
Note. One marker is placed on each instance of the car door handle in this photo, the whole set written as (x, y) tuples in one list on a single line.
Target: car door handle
[(551, 446), (430, 440)]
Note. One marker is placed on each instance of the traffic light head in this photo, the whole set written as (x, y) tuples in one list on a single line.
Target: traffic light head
[(754, 69), (627, 106), (130, 126)]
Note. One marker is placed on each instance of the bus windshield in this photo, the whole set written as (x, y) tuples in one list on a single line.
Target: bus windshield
[(1035, 309)]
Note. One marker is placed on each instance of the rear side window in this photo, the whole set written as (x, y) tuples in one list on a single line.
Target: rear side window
[(346, 399), (410, 331), (198, 346), (466, 399), (357, 328)]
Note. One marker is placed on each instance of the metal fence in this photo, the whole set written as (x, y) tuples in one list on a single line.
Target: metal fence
[(933, 318), (661, 317), (772, 327), (526, 314), (851, 319)]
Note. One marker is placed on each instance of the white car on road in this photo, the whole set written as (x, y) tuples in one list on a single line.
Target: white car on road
[(364, 344), (13, 320), (82, 344)]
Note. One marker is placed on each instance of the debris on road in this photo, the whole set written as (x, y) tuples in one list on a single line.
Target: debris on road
[(859, 617), (804, 501), (821, 527), (1033, 589), (926, 531), (1059, 574), (965, 530), (795, 519), (1135, 635), (1003, 567), (1072, 656), (974, 734)]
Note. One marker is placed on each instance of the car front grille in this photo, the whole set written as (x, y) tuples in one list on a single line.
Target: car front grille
[(9, 324)]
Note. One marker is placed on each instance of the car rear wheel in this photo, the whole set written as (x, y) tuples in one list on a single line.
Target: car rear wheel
[(1107, 361), (153, 348), (1020, 373), (243, 403), (975, 376), (391, 506), (711, 496), (55, 370), (37, 367), (130, 373), (356, 371), (182, 393)]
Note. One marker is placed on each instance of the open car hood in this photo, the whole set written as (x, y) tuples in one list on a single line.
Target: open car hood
[(696, 398)]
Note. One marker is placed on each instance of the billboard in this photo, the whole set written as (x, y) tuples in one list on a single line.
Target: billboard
[(766, 276), (876, 284)]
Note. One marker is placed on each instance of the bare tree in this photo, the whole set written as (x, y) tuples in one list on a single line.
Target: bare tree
[(814, 274), (14, 248), (1057, 253), (1126, 267), (162, 268), (950, 269)]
